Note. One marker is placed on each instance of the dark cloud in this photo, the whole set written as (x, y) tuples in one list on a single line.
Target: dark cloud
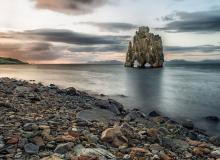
[(52, 44), (40, 46), (70, 37), (203, 21), (30, 51), (105, 48), (112, 26), (170, 17), (74, 7), (201, 48)]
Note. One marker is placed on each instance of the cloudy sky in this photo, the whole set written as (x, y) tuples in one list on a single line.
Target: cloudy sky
[(78, 31)]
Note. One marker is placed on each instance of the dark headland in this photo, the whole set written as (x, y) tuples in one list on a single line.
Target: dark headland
[(49, 123), (4, 60)]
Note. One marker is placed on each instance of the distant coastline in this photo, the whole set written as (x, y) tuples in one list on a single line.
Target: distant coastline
[(110, 62), (184, 62), (5, 60), (8, 60)]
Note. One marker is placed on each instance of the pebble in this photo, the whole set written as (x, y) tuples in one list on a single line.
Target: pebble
[(38, 141), (188, 124), (48, 123), (13, 140), (31, 148), (30, 127), (64, 148), (216, 153), (115, 136), (215, 140)]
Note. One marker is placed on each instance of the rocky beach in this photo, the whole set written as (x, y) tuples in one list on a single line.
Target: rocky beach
[(49, 123)]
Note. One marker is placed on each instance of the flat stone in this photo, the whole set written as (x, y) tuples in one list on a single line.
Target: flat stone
[(96, 114), (31, 148), (99, 152)]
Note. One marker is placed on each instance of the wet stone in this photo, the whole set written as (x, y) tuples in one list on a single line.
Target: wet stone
[(212, 118), (188, 124), (154, 114)]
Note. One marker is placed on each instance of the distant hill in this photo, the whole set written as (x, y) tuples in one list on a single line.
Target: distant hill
[(184, 62), (4, 60), (105, 62)]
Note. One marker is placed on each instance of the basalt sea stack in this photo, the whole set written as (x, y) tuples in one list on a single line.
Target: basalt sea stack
[(145, 48)]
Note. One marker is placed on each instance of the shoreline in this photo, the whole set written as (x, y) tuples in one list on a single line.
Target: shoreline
[(46, 122)]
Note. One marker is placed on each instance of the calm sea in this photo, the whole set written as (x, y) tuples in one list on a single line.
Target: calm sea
[(179, 92)]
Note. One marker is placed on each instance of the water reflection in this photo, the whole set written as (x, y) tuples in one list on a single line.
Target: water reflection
[(144, 86)]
